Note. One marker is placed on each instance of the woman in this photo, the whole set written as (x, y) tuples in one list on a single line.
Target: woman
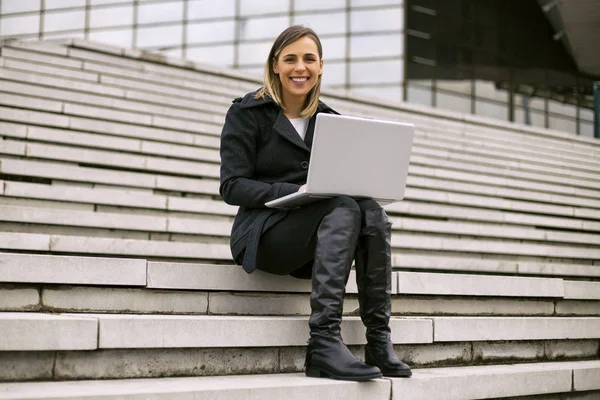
[(265, 151)]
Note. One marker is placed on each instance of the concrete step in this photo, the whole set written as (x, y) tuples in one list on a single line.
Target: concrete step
[(211, 114), (173, 166), (467, 125), (102, 157), (457, 383), (20, 331), (480, 194), (78, 52), (62, 95), (418, 158), (487, 162), (220, 226), (57, 171), (123, 197), (578, 186), (34, 332), (471, 145), (116, 196), (27, 268), (490, 125), (123, 331), (510, 180), (111, 70), (118, 61), (152, 164), (463, 212), (279, 302), (162, 275), (432, 262), (114, 246), (76, 173), (119, 160), (164, 283), (162, 362), (130, 145), (96, 271), (220, 251), (185, 152), (176, 133)]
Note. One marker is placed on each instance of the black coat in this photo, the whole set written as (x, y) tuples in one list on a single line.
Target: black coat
[(262, 159)]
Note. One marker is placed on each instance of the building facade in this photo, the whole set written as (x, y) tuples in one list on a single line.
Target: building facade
[(364, 44)]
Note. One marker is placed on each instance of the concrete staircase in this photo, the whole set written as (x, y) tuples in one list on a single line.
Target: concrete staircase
[(115, 262)]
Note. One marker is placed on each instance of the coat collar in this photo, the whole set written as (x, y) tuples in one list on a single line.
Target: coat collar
[(282, 124)]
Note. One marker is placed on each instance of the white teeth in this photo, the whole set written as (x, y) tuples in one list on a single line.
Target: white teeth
[(299, 79)]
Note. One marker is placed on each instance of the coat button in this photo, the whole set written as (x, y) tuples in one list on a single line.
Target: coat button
[(304, 164)]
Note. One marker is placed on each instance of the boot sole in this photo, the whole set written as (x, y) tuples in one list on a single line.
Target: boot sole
[(321, 373)]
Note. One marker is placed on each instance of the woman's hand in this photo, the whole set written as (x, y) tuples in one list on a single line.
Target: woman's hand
[(302, 188)]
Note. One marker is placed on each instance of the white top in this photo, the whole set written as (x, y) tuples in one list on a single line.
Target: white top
[(301, 125)]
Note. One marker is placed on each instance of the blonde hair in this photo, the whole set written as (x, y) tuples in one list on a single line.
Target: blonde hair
[(272, 86)]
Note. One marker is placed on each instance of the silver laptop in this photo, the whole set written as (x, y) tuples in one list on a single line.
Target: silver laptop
[(356, 157)]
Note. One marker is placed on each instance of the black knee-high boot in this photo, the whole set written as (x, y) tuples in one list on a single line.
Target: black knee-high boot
[(327, 355), (373, 276)]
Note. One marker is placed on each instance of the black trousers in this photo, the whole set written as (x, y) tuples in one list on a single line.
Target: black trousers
[(288, 247)]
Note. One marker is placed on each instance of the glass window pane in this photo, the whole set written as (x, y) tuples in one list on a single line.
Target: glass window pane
[(462, 87), (562, 124), (334, 74), (376, 72), (103, 2), (535, 118), (387, 19), (368, 3), (586, 129), (493, 110), (586, 114), (537, 103), (488, 90), (113, 16), (254, 53), (119, 37), (202, 9), (390, 93), (334, 48), (561, 108), (422, 82), (160, 36), (64, 21), (453, 102), (253, 7), (311, 5), (20, 25), (323, 24), (214, 55), (376, 45), (160, 12), (419, 95), (56, 4), (262, 28), (17, 6), (208, 32)]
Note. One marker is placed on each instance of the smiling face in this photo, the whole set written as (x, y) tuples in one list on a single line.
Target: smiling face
[(298, 67)]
